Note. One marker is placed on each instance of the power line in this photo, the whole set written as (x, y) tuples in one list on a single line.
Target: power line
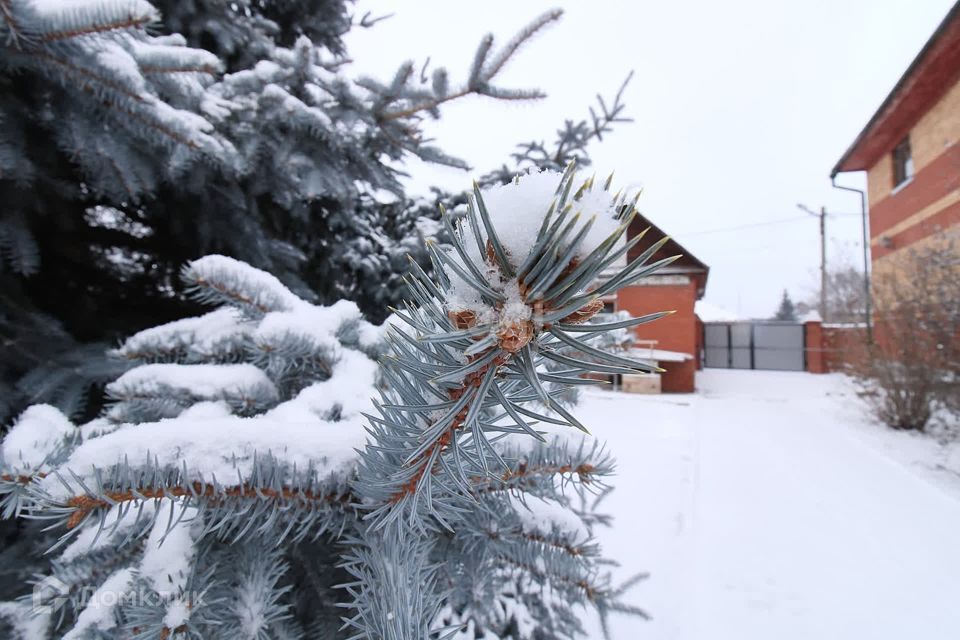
[(751, 225), (742, 226)]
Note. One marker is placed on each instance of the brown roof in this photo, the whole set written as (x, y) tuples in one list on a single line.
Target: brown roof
[(687, 262), (935, 69)]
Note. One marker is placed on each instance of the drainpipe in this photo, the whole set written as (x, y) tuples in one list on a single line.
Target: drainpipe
[(866, 253)]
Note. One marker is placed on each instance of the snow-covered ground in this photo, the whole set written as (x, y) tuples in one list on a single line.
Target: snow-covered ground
[(768, 506)]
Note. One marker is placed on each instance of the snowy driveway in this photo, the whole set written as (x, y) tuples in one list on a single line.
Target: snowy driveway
[(767, 507)]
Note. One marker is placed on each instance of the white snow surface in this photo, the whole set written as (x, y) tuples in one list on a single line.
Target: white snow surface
[(29, 623), (771, 505), (658, 355), (516, 212), (266, 290), (351, 390), (166, 560), (214, 444), (167, 554), (709, 312), (40, 431), (543, 517), (98, 614), (317, 324), (208, 445), (517, 209), (201, 333), (117, 524), (209, 381)]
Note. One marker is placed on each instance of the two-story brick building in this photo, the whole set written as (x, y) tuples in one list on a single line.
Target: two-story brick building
[(910, 150), (674, 340)]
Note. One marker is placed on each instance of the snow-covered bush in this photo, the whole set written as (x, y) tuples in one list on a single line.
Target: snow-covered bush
[(911, 371), (243, 472)]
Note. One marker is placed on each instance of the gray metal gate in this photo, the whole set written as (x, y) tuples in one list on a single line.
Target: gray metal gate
[(754, 345)]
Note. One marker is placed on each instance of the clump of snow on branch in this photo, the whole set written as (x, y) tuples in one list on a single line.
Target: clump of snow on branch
[(166, 563), (99, 613), (516, 210), (544, 517), (38, 435), (216, 418)]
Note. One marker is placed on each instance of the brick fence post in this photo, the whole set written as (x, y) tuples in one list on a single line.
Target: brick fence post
[(814, 347)]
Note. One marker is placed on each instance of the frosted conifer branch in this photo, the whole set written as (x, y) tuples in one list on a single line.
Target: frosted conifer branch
[(483, 71), (571, 142), (14, 31), (222, 280), (525, 266), (234, 438), (76, 25)]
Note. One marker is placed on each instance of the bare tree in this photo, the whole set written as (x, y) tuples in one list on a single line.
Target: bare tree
[(846, 294), (912, 369)]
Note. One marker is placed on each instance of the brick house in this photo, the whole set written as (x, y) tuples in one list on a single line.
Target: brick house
[(910, 152), (673, 341)]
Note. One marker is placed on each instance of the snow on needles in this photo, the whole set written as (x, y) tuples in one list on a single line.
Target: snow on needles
[(517, 210), (197, 336), (321, 428), (193, 411), (202, 381), (98, 615), (168, 552), (38, 435), (543, 517), (266, 291), (118, 524)]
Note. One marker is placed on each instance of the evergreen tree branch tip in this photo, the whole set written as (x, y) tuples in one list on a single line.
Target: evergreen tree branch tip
[(483, 71)]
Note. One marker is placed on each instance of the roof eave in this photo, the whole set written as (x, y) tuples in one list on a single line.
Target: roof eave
[(843, 164)]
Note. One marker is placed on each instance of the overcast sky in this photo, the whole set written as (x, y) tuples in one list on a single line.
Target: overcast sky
[(741, 109)]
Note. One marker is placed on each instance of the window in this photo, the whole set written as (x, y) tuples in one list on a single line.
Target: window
[(902, 163), (609, 306)]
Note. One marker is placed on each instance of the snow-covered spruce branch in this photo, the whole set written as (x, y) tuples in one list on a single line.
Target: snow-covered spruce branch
[(523, 276), (266, 495), (525, 271), (573, 139), (441, 510), (392, 105), (571, 142)]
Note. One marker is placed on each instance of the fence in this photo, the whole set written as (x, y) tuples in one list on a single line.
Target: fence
[(755, 345), (782, 346)]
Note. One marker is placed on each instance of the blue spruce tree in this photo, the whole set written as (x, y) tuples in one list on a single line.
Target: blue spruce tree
[(133, 140), (280, 469)]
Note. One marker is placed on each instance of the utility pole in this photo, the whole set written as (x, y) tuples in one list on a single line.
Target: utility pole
[(823, 264), (823, 257)]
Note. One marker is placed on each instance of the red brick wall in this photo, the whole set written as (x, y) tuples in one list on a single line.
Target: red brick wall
[(921, 208), (679, 377), (833, 348), (843, 346), (677, 332)]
